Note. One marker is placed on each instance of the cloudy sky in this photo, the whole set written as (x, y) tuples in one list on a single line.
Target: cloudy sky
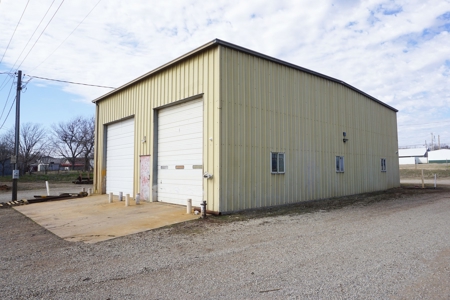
[(396, 51)]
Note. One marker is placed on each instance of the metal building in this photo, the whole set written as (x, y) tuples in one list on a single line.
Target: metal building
[(242, 130)]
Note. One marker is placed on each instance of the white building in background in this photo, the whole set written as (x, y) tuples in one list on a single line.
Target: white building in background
[(439, 156), (413, 156)]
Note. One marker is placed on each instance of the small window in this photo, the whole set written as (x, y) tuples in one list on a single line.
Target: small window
[(277, 162), (383, 165), (339, 164)]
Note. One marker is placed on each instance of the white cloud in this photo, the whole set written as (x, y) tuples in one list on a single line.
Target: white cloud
[(396, 51)]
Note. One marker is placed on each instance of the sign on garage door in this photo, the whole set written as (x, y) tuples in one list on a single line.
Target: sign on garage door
[(180, 153)]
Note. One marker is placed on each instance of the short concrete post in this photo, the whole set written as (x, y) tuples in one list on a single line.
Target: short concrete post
[(120, 196), (138, 199), (89, 192), (83, 190), (110, 198), (127, 199), (189, 206)]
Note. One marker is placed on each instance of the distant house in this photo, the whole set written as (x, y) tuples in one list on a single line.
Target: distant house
[(79, 164), (439, 156), (46, 163), (413, 156)]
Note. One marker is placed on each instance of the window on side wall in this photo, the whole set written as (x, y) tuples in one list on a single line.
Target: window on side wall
[(339, 164), (277, 162), (383, 165)]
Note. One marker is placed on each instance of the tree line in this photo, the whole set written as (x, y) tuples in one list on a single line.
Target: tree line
[(70, 140)]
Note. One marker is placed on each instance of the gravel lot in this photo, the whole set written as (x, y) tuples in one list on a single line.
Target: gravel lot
[(393, 246)]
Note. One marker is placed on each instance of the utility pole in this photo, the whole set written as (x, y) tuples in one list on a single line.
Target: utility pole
[(15, 174)]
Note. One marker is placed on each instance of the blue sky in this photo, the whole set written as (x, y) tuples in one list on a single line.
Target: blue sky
[(396, 51)]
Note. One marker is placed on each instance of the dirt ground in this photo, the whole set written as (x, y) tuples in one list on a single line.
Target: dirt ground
[(385, 245)]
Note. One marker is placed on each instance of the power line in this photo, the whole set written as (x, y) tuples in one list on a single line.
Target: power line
[(41, 33), (71, 82), (12, 104), (7, 47), (67, 36), (5, 81), (7, 99), (37, 27)]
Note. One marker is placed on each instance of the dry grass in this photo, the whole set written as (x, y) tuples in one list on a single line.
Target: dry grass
[(415, 171)]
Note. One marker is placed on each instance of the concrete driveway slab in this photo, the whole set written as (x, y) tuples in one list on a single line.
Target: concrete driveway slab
[(92, 219)]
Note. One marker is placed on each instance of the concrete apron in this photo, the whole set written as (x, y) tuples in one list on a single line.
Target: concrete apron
[(92, 219)]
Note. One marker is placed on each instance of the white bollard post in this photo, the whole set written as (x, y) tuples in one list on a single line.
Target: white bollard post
[(138, 199), (110, 198), (48, 189), (127, 199), (120, 196), (189, 206), (83, 190), (89, 191), (434, 180)]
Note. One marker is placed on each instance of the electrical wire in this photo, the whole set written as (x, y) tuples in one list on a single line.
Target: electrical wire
[(67, 36), (6, 80), (12, 104), (37, 27), (7, 47), (71, 82), (41, 33), (7, 99)]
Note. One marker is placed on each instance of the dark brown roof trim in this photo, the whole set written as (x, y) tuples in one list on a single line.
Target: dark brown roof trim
[(248, 51)]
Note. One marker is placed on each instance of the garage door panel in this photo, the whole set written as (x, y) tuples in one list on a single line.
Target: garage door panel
[(187, 108), (181, 145), (177, 174), (192, 123), (180, 148), (181, 137), (120, 157), (193, 153)]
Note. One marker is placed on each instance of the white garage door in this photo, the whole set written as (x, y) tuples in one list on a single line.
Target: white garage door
[(120, 157), (180, 153)]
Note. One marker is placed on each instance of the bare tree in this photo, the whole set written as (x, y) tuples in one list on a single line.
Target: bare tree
[(6, 150), (68, 140), (32, 142), (87, 140)]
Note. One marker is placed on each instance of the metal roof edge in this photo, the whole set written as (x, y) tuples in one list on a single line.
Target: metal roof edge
[(184, 56), (248, 51)]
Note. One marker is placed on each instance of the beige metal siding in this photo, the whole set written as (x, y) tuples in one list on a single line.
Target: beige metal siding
[(195, 75), (270, 107)]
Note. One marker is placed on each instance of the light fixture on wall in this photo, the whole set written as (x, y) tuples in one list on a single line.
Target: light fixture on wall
[(144, 140), (345, 134)]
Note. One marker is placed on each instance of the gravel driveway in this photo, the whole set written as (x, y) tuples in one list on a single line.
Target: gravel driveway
[(397, 248)]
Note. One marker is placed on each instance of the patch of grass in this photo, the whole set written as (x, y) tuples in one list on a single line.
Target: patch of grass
[(51, 176), (427, 173)]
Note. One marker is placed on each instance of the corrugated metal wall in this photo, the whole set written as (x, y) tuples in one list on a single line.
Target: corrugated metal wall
[(270, 107), (193, 76)]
